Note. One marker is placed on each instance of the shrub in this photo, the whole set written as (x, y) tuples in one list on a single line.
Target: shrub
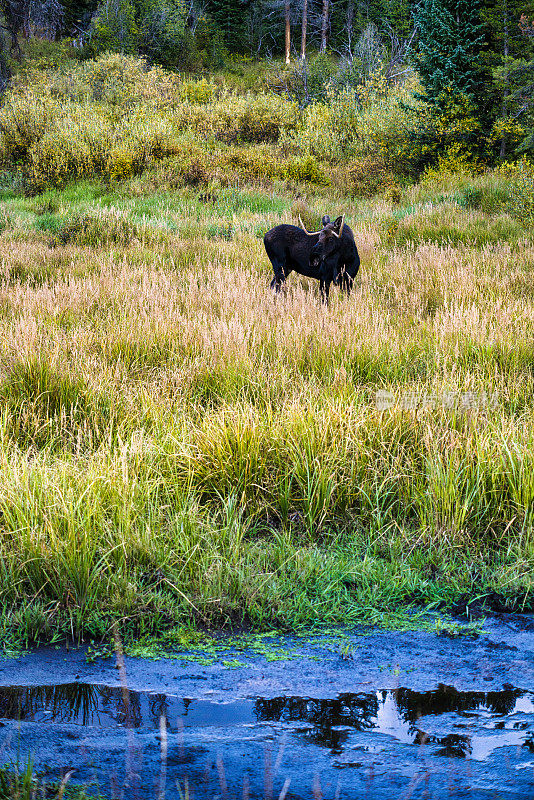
[(163, 31), (121, 163), (363, 177), (114, 28), (316, 135), (374, 122), (521, 176), (260, 118), (191, 166), (251, 164), (307, 169), (392, 192), (265, 117), (148, 137), (83, 142), (117, 80), (75, 146), (201, 92), (23, 121), (307, 81)]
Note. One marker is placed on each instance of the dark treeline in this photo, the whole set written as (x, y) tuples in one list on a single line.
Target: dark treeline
[(266, 27)]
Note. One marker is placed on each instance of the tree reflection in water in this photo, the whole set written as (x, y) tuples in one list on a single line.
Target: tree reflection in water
[(331, 721), (399, 714)]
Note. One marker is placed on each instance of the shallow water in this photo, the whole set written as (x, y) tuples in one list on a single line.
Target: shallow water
[(441, 724), (454, 724), (408, 716)]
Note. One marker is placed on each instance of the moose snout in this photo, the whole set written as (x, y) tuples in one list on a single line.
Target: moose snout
[(315, 256)]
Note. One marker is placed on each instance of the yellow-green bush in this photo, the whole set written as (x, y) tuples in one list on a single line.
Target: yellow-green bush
[(249, 163), (307, 169), (84, 140), (521, 176), (374, 122), (264, 117), (145, 138), (261, 118), (316, 134), (363, 177), (76, 145), (23, 121), (118, 80), (200, 92)]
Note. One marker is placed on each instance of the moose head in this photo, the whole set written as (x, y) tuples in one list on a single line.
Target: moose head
[(328, 248)]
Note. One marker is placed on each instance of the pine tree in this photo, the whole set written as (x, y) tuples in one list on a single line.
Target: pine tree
[(509, 54), (458, 87), (228, 16), (451, 44)]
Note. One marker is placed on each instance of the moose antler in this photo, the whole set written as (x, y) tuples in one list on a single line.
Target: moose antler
[(338, 235), (304, 228)]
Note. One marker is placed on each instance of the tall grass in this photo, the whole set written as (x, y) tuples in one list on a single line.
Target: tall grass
[(177, 444)]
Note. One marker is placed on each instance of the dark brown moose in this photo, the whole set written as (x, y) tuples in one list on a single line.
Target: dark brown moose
[(329, 255)]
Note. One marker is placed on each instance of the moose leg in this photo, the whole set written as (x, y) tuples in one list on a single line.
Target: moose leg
[(277, 283), (346, 284), (324, 288), (279, 274)]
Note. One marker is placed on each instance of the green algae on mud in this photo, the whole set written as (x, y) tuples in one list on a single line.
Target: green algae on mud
[(188, 646)]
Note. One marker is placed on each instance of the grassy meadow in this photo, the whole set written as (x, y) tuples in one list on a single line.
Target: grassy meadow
[(179, 447)]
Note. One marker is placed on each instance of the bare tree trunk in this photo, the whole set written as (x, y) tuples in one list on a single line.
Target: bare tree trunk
[(5, 72), (288, 29), (324, 25), (350, 23), (26, 26), (304, 28)]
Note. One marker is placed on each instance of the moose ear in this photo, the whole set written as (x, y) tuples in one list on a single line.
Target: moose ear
[(325, 220), (338, 222)]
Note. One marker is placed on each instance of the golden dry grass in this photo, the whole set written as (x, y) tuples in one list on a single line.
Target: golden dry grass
[(177, 440)]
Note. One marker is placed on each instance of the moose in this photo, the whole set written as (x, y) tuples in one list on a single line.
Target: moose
[(329, 255)]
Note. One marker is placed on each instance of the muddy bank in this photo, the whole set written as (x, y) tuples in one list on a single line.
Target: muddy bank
[(384, 715)]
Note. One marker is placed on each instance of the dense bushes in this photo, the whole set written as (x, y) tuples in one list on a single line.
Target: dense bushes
[(374, 122), (230, 118), (116, 116), (100, 119), (521, 198)]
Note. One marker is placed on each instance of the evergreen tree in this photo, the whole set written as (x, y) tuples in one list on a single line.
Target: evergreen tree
[(451, 44), (509, 54), (458, 86), (229, 17)]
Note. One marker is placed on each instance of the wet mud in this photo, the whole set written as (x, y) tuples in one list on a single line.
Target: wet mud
[(374, 715)]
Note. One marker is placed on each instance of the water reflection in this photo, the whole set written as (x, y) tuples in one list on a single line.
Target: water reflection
[(458, 724)]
